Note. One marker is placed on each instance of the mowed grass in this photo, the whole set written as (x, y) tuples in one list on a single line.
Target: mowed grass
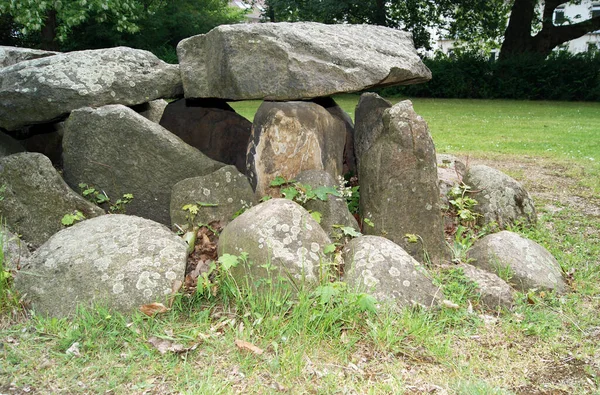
[(548, 344)]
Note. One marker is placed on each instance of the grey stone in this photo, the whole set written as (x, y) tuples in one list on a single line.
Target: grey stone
[(14, 249), (212, 126), (226, 188), (42, 90), (119, 151), (399, 189), (528, 264), (369, 122), (36, 198), (383, 269), (500, 198), (117, 261), (9, 145), (334, 210), (292, 61), (451, 172), (153, 110), (289, 137), (493, 291), (14, 55), (278, 233), (349, 155)]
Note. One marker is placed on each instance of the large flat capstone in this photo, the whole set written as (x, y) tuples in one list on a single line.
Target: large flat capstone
[(291, 61), (40, 90)]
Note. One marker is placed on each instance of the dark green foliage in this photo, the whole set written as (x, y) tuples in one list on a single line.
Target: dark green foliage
[(561, 76)]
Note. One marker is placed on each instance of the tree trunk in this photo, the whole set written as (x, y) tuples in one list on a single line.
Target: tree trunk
[(48, 32), (518, 39), (381, 13)]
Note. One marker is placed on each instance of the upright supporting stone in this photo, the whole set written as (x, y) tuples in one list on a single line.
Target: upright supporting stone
[(369, 122), (289, 137), (399, 187), (212, 126)]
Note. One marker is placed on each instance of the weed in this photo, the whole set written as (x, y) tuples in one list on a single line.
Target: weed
[(71, 218), (100, 197)]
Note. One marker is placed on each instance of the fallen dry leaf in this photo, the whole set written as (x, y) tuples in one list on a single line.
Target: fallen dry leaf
[(449, 304), (244, 345), (164, 345), (73, 350), (153, 308)]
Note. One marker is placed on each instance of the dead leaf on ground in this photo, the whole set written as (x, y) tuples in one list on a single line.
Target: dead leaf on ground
[(73, 350), (449, 304), (244, 345), (163, 346), (153, 308)]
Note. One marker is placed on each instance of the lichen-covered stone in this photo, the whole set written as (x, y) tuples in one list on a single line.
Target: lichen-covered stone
[(9, 145), (290, 137), (14, 55), (41, 90), (293, 61), (493, 291), (226, 188), (383, 269), (212, 126), (399, 189), (501, 199), (349, 155), (119, 151), (36, 198), (117, 261), (280, 234), (526, 263), (334, 210), (15, 250), (153, 110), (369, 122)]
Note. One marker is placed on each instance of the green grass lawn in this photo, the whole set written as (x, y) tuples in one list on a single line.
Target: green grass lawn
[(548, 344)]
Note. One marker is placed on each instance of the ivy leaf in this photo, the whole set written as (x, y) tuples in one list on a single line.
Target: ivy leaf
[(192, 208), (228, 261), (367, 303), (279, 181), (316, 216), (289, 193), (329, 248), (348, 231), (326, 293), (322, 192), (411, 237)]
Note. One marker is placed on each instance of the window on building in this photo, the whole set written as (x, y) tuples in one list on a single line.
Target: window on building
[(559, 15), (595, 10)]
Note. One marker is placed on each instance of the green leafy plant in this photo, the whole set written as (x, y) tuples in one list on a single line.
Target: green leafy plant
[(119, 206), (301, 193), (71, 218), (461, 205), (93, 195), (192, 210), (100, 197)]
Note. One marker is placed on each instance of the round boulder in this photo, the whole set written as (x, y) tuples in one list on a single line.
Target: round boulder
[(281, 239), (383, 269), (500, 198), (524, 263), (118, 261)]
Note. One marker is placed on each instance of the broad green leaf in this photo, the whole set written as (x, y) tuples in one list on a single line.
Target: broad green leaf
[(368, 222), (228, 261), (350, 231), (289, 193), (411, 238), (329, 248), (279, 181), (316, 216), (326, 293), (367, 303), (322, 192)]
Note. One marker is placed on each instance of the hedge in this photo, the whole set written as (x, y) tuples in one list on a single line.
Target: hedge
[(561, 76)]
